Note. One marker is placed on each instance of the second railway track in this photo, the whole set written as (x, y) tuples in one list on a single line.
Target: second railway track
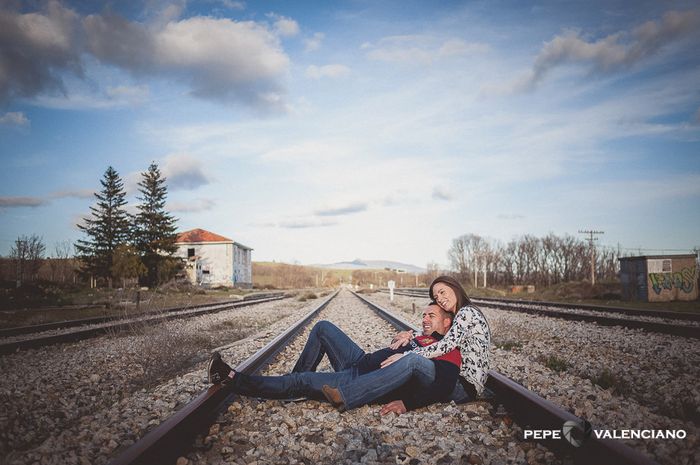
[(674, 323), (29, 337)]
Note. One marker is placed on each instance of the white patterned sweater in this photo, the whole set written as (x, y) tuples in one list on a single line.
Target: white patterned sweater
[(469, 333)]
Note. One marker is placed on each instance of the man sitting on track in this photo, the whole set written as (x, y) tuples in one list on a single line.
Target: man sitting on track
[(349, 361)]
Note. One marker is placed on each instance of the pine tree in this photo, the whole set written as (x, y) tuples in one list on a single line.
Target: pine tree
[(107, 228), (155, 227)]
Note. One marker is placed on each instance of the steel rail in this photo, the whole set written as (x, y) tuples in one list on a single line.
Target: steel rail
[(17, 330), (418, 292), (80, 334), (652, 326), (174, 436), (534, 412)]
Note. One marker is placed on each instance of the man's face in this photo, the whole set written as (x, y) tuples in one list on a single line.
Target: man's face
[(433, 320)]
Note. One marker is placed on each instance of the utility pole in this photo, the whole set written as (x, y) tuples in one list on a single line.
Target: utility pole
[(590, 243)]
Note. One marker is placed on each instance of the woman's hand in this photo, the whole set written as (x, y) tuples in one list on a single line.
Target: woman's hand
[(401, 339), (395, 406), (391, 360)]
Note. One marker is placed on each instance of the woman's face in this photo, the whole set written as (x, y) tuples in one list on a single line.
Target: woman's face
[(445, 297)]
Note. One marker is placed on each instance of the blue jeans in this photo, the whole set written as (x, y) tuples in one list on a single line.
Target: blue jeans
[(306, 384), (361, 390), (327, 339)]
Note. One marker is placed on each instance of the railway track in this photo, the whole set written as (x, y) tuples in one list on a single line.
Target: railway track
[(174, 437), (101, 325), (593, 314)]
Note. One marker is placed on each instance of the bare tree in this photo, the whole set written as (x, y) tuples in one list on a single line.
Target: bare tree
[(27, 254), (60, 263), (528, 260)]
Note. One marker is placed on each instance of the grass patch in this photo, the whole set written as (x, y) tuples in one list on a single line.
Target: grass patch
[(554, 363), (307, 296), (606, 379), (365, 290), (509, 345)]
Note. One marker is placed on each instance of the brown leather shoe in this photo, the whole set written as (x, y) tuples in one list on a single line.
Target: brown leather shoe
[(333, 396)]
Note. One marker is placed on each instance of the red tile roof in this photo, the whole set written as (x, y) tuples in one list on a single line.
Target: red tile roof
[(200, 235)]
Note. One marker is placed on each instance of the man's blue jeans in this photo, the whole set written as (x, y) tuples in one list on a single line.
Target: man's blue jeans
[(325, 339)]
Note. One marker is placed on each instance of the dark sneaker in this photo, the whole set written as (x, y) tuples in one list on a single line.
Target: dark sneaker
[(218, 369)]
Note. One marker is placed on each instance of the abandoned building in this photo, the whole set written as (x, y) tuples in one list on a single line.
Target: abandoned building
[(214, 260)]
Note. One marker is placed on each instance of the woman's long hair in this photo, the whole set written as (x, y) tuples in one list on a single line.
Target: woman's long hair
[(452, 283)]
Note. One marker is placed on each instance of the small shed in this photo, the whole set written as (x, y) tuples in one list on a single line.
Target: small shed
[(659, 278), (214, 260)]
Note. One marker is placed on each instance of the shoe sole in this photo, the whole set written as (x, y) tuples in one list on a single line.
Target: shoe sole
[(214, 356)]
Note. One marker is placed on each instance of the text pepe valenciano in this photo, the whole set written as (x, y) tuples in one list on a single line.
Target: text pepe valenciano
[(640, 434)]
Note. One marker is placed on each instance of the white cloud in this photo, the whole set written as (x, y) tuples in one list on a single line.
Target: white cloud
[(285, 27), (314, 42), (340, 210), (441, 193), (306, 223), (191, 206), (14, 118), (332, 71), (419, 49), (613, 52), (36, 49), (128, 94), (218, 59), (8, 202), (221, 59), (233, 5), (184, 172), (73, 193), (309, 150)]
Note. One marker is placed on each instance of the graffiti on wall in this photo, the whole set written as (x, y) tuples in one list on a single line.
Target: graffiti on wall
[(683, 280)]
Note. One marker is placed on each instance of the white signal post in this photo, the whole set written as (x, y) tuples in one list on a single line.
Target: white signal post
[(391, 285)]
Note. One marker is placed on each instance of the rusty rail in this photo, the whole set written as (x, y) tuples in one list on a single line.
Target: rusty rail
[(174, 436), (72, 336), (534, 412), (652, 326)]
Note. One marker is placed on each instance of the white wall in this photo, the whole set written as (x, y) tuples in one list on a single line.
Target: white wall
[(214, 264), (242, 266)]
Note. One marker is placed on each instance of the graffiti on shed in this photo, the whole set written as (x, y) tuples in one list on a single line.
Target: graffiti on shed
[(683, 280)]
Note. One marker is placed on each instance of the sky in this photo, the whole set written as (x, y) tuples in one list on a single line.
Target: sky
[(317, 132)]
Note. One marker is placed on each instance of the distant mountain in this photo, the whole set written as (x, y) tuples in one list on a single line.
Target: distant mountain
[(359, 264)]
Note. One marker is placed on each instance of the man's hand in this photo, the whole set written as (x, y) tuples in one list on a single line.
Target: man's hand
[(390, 360), (401, 339), (395, 406)]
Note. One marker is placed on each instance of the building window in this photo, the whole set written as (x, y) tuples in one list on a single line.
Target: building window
[(205, 271), (190, 252), (666, 266)]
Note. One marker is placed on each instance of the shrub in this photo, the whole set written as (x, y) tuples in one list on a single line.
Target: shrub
[(510, 345), (554, 363)]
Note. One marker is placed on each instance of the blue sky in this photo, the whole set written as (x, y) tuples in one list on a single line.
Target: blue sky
[(325, 131)]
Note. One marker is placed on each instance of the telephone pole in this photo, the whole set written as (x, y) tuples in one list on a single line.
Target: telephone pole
[(590, 243)]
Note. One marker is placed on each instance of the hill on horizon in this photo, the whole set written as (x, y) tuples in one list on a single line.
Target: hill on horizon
[(359, 264)]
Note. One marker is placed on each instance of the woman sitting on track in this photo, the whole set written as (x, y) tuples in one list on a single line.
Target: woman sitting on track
[(469, 333)]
